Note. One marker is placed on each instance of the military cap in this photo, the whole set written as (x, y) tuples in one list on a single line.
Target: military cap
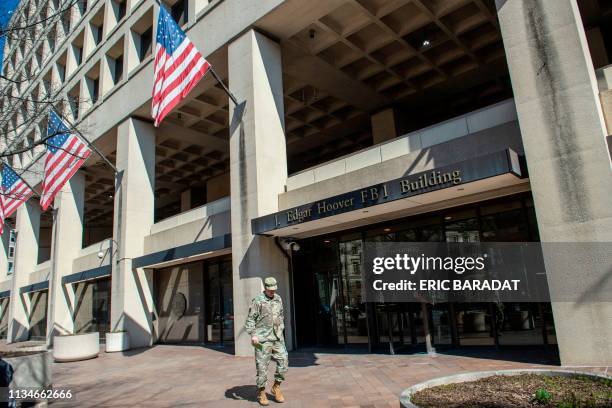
[(270, 283)]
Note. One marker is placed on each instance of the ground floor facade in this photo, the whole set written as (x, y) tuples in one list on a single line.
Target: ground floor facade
[(193, 302), (346, 131)]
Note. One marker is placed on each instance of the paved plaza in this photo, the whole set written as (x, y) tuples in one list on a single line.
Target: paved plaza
[(172, 376)]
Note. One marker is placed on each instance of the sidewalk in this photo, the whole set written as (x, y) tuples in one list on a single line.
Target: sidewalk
[(164, 376)]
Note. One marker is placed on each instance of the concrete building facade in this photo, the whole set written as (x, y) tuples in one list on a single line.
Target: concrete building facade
[(335, 98)]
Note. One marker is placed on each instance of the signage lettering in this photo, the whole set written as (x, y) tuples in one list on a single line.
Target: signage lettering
[(372, 194), (432, 179)]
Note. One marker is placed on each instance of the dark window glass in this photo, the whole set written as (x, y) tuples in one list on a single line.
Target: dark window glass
[(96, 90), (61, 70), (179, 12), (121, 10), (146, 40), (118, 69), (78, 54), (508, 226)]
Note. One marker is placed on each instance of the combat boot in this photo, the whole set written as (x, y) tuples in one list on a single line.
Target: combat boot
[(262, 397), (276, 392)]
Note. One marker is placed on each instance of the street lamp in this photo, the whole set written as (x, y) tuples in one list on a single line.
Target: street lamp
[(101, 253)]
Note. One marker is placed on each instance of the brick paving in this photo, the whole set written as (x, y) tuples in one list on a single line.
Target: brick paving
[(192, 376)]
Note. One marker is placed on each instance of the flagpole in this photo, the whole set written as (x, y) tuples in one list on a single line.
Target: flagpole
[(94, 148), (214, 73), (227, 91)]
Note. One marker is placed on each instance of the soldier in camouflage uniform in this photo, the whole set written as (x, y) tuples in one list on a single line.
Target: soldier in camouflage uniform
[(265, 325)]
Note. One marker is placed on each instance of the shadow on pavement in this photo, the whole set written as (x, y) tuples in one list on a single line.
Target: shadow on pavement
[(242, 392)]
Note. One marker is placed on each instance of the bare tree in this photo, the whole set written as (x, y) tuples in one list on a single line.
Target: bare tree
[(32, 35)]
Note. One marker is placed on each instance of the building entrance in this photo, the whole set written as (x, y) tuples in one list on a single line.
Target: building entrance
[(194, 303), (336, 307), (330, 310)]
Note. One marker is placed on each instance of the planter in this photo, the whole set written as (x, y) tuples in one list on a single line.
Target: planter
[(117, 341), (76, 347), (31, 370), (406, 395)]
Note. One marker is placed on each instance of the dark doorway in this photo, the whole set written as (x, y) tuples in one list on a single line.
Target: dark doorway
[(194, 302), (219, 302)]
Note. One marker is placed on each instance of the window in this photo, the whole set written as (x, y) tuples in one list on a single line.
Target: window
[(11, 252), (146, 41), (74, 101), (78, 54), (179, 12), (96, 90), (61, 72), (10, 268), (119, 7), (118, 69), (96, 32), (82, 5)]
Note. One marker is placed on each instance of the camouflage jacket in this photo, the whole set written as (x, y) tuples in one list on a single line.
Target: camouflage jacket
[(266, 319)]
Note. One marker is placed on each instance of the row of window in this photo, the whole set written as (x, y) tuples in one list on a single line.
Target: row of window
[(102, 77)]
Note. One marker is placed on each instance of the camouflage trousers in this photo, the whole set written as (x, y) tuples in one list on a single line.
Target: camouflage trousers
[(271, 350)]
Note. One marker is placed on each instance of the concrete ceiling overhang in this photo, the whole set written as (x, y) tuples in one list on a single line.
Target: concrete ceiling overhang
[(344, 60)]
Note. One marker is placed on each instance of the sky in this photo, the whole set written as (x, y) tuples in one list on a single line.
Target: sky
[(6, 9)]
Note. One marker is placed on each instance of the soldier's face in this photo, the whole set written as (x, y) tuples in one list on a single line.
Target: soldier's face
[(270, 292)]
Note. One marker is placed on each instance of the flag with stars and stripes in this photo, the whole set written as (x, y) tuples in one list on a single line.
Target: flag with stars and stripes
[(66, 152), (15, 192), (177, 68)]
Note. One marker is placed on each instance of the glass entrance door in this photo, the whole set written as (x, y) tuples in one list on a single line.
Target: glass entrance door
[(219, 302), (326, 285), (352, 319)]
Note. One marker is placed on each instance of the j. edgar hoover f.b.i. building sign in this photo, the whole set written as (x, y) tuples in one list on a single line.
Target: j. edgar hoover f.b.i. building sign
[(463, 172)]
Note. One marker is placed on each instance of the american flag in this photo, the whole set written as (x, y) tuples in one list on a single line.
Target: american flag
[(14, 193), (178, 66), (65, 154)]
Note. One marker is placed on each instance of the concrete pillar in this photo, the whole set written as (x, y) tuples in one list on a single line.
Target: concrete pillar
[(562, 128), (132, 301), (26, 258), (186, 200), (217, 187), (67, 241), (383, 125), (4, 249), (193, 8), (258, 171)]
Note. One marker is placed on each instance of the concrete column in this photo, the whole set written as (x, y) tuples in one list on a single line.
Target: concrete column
[(67, 241), (186, 200), (258, 171), (4, 248), (383, 125), (563, 133), (193, 8), (132, 301), (26, 258)]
